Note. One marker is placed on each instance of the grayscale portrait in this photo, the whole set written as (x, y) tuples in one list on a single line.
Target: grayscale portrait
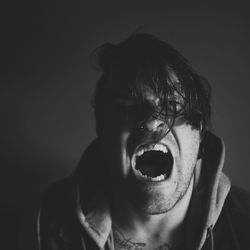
[(125, 126)]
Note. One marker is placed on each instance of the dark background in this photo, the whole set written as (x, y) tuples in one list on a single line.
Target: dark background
[(47, 81)]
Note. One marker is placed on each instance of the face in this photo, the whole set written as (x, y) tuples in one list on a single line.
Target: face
[(151, 166)]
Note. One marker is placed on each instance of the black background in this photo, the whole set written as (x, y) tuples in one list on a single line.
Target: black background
[(47, 81)]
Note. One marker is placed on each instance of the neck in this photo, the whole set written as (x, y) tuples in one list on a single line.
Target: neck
[(167, 227)]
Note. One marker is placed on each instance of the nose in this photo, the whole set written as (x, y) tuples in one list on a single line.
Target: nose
[(154, 125)]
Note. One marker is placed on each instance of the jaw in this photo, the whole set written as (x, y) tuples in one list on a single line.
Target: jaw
[(158, 197)]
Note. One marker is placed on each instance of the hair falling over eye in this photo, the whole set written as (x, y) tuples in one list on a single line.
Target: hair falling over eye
[(145, 62)]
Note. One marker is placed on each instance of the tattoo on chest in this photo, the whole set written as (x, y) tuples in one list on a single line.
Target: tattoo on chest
[(127, 244)]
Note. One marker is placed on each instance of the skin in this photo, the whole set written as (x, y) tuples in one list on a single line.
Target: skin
[(151, 211)]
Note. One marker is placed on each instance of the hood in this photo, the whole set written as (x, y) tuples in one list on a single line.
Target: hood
[(211, 187)]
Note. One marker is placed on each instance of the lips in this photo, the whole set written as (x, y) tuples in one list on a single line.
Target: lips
[(152, 163)]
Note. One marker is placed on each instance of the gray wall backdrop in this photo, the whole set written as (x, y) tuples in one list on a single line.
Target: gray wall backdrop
[(46, 119)]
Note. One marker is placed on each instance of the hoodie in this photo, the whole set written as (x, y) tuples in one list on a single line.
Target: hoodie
[(77, 209)]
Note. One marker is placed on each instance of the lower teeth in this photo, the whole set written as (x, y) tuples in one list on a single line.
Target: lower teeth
[(159, 178), (156, 178)]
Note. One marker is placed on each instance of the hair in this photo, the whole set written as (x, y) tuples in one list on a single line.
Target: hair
[(155, 64)]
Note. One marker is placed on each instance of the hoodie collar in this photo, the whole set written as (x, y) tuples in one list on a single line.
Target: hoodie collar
[(92, 206), (211, 187), (96, 222)]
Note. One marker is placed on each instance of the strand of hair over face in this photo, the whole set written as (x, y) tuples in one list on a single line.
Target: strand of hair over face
[(147, 61)]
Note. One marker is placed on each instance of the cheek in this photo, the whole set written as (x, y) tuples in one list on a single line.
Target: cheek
[(114, 140), (191, 151), (115, 127), (189, 143)]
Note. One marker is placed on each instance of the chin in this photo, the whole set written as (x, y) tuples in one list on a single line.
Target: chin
[(157, 198)]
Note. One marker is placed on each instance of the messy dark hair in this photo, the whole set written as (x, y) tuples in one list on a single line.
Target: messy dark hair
[(155, 64)]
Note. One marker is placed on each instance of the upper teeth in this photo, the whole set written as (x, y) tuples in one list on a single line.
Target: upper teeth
[(156, 147)]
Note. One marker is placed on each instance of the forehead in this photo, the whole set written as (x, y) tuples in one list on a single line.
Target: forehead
[(127, 88), (130, 84)]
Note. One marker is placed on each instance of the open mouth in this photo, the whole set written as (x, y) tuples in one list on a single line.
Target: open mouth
[(153, 163)]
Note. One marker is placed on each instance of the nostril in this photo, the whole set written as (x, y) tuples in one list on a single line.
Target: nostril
[(161, 125), (151, 125), (155, 125), (142, 127)]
